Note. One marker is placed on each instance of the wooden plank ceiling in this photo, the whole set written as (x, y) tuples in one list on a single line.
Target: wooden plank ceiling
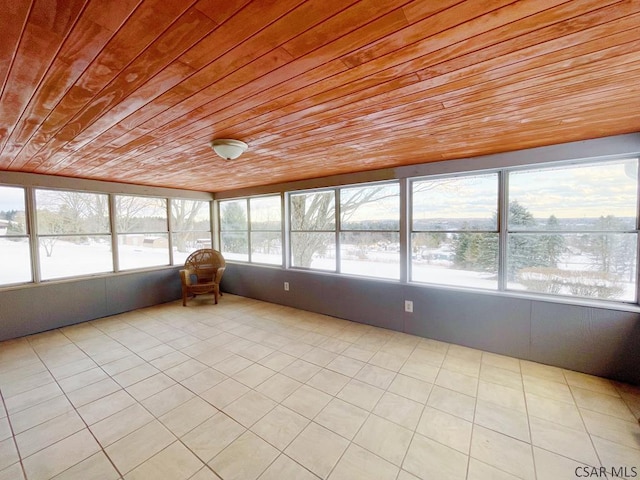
[(134, 90)]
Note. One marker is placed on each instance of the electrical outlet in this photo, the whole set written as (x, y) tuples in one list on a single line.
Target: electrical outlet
[(286, 286), (408, 306)]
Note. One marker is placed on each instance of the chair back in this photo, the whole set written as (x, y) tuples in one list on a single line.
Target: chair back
[(205, 263)]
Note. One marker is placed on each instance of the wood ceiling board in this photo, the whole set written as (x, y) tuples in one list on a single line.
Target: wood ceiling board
[(135, 92)]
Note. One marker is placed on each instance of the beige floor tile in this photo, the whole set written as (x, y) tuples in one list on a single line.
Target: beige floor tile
[(211, 437), (376, 376), (328, 381), (125, 363), (93, 392), (455, 403), (60, 456), (420, 370), (285, 468), (467, 353), (96, 467), (342, 418), (504, 420), (307, 401), (224, 393), (150, 386), (140, 445), (278, 387), (358, 353), (501, 361), (503, 396), (188, 416), (481, 471), (458, 382), (205, 474), (360, 394), (175, 462), (428, 459), (492, 374), (563, 441), (404, 475), (555, 411), (427, 355), (317, 449), (589, 382), (170, 360), (49, 432), (231, 463), (359, 464), (400, 410), (232, 364), (388, 361), (280, 426), (384, 438), (345, 365), (613, 429), (548, 389), (277, 361), (8, 453), (462, 365), (22, 385), (254, 375), (104, 407), (32, 397), (445, 428), (120, 424), (204, 380), (167, 400), (411, 388), (301, 370), (319, 356), (249, 408), (5, 428), (13, 472), (544, 372), (503, 452), (82, 379), (613, 455), (602, 403), (552, 465), (40, 413)]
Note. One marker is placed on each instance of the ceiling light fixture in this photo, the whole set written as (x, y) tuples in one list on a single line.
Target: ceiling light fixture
[(228, 149)]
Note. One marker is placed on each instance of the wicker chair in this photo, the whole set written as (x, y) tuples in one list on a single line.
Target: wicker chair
[(202, 273)]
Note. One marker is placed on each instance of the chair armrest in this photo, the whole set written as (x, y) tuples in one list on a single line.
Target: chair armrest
[(185, 276), (218, 276)]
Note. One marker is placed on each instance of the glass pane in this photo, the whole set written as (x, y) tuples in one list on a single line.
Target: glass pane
[(71, 212), (313, 211), (139, 250), (456, 203), (315, 250), (372, 254), (463, 259), (141, 214), (266, 247), (233, 215), (593, 265), (370, 208), (13, 220), (185, 243), (266, 213), (600, 196), (74, 255), (15, 259), (235, 245), (190, 215)]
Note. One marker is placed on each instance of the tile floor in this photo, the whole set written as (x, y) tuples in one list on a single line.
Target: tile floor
[(246, 390)]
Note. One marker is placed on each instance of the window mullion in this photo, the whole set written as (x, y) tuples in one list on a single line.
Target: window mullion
[(503, 237)]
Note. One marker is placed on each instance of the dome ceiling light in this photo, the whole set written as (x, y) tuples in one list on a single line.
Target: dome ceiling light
[(228, 149)]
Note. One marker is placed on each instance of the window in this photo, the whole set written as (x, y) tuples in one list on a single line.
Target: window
[(313, 230), (266, 230), (572, 230), (234, 230), (15, 256), (190, 227), (73, 233), (454, 231), (143, 239), (370, 230)]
